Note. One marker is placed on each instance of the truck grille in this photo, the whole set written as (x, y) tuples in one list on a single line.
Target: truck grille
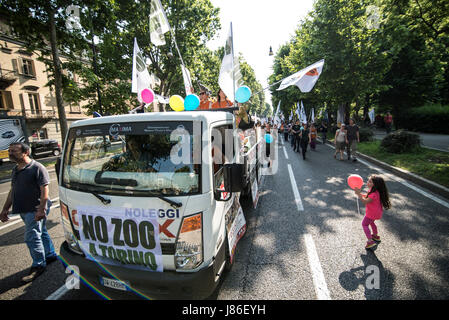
[(168, 249)]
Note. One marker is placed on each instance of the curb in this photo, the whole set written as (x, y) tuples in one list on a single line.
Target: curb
[(425, 183)]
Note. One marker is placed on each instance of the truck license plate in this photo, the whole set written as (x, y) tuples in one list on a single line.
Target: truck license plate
[(114, 284)]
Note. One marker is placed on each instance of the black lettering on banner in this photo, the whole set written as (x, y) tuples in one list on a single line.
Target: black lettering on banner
[(101, 229), (138, 257), (103, 250), (121, 256), (117, 232), (130, 233), (150, 261), (88, 228), (146, 233), (111, 253), (92, 250)]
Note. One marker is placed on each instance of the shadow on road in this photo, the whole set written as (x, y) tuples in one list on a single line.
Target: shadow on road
[(377, 281)]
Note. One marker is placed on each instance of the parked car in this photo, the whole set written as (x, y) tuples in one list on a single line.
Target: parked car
[(8, 134), (96, 143), (45, 147)]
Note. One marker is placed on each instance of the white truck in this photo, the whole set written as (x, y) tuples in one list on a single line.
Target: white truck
[(156, 213)]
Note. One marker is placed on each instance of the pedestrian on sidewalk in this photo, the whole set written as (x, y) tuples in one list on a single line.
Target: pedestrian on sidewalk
[(339, 141), (352, 138), (375, 201), (29, 198), (388, 120), (304, 140), (313, 135)]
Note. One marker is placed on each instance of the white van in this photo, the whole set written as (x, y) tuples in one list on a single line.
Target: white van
[(155, 213)]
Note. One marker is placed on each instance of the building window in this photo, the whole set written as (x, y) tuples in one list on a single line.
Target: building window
[(40, 134), (28, 67), (34, 103), (6, 100)]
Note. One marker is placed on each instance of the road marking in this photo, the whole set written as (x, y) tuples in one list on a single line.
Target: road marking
[(58, 293), (11, 224), (317, 272), (295, 189), (405, 183), (15, 219), (285, 153), (402, 181)]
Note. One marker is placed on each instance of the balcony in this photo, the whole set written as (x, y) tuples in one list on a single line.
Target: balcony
[(29, 114), (7, 78)]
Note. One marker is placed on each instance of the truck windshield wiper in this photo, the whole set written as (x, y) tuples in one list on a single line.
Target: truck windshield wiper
[(103, 200), (174, 204)]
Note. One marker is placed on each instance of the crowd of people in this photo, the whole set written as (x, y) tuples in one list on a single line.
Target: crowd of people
[(301, 135)]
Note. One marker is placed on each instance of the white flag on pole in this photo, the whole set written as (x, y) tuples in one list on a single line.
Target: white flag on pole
[(312, 118), (298, 112), (371, 115), (230, 76), (158, 23), (303, 117), (187, 81), (141, 78), (277, 120), (291, 116), (304, 79)]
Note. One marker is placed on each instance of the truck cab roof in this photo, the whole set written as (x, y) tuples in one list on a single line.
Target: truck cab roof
[(207, 117)]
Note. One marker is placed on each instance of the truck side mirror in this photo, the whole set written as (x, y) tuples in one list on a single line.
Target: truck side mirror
[(57, 167), (233, 182), (233, 175)]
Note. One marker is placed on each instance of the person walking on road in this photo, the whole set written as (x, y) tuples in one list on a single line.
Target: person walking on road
[(29, 197), (296, 130), (313, 135), (352, 138), (304, 140), (324, 131), (375, 201), (339, 141)]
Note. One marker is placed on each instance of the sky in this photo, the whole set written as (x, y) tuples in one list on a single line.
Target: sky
[(257, 25)]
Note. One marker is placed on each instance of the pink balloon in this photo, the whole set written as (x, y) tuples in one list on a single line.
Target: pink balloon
[(147, 95), (355, 181)]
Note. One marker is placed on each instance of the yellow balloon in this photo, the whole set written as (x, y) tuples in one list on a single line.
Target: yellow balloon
[(176, 103)]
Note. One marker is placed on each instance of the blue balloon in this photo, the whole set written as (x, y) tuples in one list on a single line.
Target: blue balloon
[(191, 102), (268, 138), (243, 94)]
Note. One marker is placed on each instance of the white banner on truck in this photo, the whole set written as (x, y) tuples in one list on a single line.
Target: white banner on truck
[(121, 236)]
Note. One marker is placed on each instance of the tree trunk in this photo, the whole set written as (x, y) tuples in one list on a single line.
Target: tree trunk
[(57, 75)]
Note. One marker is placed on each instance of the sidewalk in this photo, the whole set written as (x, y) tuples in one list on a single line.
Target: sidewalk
[(418, 180), (434, 141)]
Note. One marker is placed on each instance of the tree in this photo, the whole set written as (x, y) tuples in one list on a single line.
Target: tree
[(39, 22)]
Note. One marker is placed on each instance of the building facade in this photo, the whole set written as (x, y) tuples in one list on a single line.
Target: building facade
[(24, 93)]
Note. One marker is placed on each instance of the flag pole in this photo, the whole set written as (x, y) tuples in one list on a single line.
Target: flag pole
[(233, 73)]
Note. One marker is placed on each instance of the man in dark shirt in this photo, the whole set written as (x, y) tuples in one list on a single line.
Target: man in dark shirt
[(29, 198), (352, 138), (296, 130)]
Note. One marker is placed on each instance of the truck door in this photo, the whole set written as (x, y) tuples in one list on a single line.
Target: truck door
[(228, 214)]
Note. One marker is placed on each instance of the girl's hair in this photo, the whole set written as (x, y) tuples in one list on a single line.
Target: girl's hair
[(380, 186)]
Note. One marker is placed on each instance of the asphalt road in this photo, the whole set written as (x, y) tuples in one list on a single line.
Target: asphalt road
[(304, 247)]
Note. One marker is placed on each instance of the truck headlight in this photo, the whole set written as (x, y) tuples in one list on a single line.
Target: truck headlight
[(189, 246), (67, 226)]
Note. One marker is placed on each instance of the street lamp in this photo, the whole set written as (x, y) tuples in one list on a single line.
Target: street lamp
[(271, 51)]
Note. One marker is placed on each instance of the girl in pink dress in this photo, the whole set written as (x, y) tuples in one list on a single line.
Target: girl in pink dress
[(375, 201)]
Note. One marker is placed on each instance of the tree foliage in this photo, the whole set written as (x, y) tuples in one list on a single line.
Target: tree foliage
[(400, 63)]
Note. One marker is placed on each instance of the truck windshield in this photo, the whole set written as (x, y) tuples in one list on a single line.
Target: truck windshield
[(141, 159)]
